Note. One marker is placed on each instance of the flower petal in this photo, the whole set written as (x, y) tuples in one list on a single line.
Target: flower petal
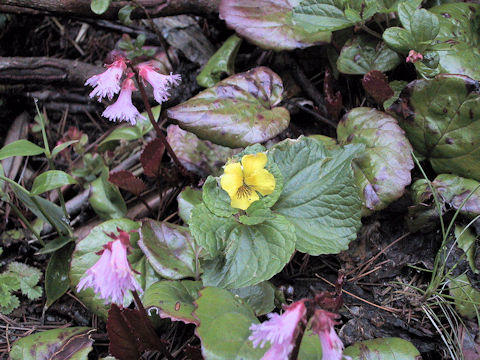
[(243, 202), (253, 162), (232, 178), (261, 181)]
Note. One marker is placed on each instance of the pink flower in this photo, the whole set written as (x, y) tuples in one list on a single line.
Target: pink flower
[(322, 325), (413, 56), (107, 83), (111, 276), (123, 109), (161, 83), (279, 330)]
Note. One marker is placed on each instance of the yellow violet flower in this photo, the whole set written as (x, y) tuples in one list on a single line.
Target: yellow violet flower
[(243, 180)]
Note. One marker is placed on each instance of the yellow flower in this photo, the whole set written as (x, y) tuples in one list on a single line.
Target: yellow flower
[(242, 180)]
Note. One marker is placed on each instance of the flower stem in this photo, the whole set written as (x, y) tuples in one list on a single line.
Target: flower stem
[(155, 124)]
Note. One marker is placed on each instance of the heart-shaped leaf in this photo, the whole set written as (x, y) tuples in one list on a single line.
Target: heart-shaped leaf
[(362, 54), (268, 24), (382, 349), (441, 118), (84, 257), (237, 111), (382, 171), (241, 255), (319, 196), (169, 248), (234, 343), (173, 299), (57, 344)]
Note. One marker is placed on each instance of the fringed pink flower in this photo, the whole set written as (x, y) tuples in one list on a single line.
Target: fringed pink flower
[(414, 56), (111, 276), (161, 83), (107, 84), (323, 325), (123, 109), (280, 331)]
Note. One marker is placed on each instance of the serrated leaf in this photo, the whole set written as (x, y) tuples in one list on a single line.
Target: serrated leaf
[(382, 171), (50, 180), (187, 200), (269, 24), (241, 255), (151, 158), (236, 112), (169, 248), (234, 343), (99, 6), (319, 196), (20, 148), (362, 54), (125, 180), (106, 199), (173, 299), (221, 63), (57, 282), (57, 344), (383, 349), (441, 118), (326, 15)]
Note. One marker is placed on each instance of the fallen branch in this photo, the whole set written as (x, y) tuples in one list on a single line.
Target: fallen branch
[(81, 8)]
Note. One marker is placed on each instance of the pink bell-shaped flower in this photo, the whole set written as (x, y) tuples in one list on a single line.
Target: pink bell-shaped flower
[(414, 56), (161, 83), (280, 331), (123, 109), (111, 276), (322, 325), (107, 84)]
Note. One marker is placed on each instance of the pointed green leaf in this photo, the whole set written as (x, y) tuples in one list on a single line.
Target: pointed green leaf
[(50, 180), (57, 282), (106, 199), (20, 148)]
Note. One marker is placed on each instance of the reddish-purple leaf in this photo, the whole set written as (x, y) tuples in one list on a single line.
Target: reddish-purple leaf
[(376, 85), (151, 157), (127, 181), (333, 102)]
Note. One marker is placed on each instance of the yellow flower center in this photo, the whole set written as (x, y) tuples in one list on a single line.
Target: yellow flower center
[(243, 181)]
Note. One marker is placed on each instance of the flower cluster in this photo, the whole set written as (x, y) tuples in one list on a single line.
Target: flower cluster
[(111, 276), (414, 56), (108, 83)]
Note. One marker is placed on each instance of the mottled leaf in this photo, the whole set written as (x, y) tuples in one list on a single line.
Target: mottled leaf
[(198, 156), (125, 180), (238, 111), (173, 299), (376, 85), (268, 24), (362, 54), (382, 171), (441, 118), (151, 158), (319, 196), (383, 349), (169, 248)]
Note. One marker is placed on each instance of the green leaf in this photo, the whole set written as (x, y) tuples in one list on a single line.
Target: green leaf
[(319, 196), (425, 26), (216, 199), (269, 24), (187, 200), (9, 282), (406, 10), (382, 171), (236, 112), (99, 6), (169, 248), (459, 21), (84, 257), (57, 282), (66, 344), (173, 299), (50, 180), (124, 14), (397, 86), (28, 277), (241, 255), (322, 15), (466, 241), (460, 58), (222, 62), (465, 297), (441, 118), (383, 349), (259, 297), (311, 347), (20, 148), (198, 156), (57, 149), (54, 245), (399, 39), (362, 54), (233, 343), (106, 199)]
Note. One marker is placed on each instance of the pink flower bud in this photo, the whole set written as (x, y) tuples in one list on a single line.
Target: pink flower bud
[(280, 331), (413, 56), (161, 83), (123, 109), (107, 83), (322, 325), (111, 276)]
